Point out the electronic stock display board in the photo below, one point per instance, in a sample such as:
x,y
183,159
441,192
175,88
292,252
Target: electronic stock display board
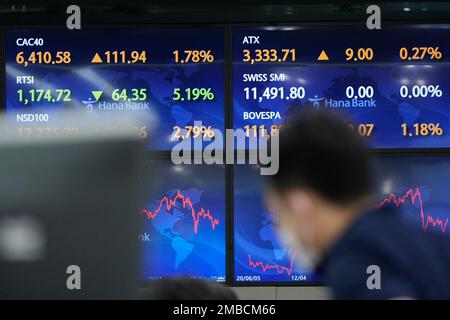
x,y
165,72
391,84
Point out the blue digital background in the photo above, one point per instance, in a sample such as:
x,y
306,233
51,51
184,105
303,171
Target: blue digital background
x,y
255,234
174,248
426,178
160,75
328,80
169,244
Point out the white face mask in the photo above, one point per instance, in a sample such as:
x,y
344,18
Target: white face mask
x,y
307,257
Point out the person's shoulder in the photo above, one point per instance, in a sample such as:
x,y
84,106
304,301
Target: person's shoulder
x,y
380,238
366,247
387,229
367,235
368,241
374,227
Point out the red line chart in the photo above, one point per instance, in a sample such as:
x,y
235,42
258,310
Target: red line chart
x,y
267,267
413,195
170,203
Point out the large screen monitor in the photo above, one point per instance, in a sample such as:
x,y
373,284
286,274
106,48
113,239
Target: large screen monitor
x,y
163,71
390,83
416,185
183,222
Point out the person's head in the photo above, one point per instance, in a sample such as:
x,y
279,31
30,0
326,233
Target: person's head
x,y
185,289
324,181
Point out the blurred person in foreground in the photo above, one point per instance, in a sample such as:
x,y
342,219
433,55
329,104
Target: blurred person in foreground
x,y
323,195
185,289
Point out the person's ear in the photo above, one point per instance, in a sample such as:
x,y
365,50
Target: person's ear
x,y
299,202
